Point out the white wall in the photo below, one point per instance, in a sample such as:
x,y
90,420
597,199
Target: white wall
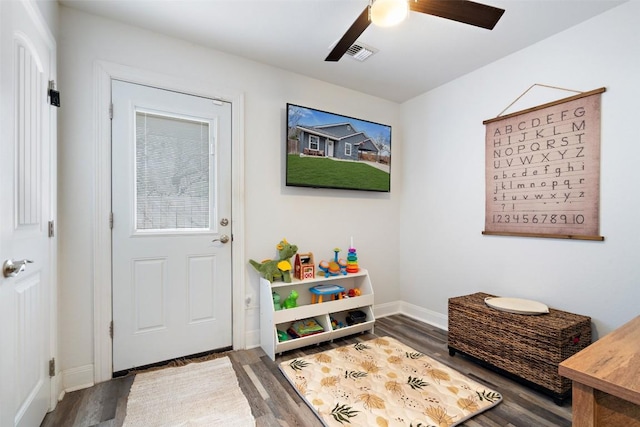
x,y
315,220
49,11
443,253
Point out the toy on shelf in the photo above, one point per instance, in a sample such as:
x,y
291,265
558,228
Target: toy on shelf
x,y
303,266
305,327
276,301
318,291
355,317
282,336
352,259
336,324
291,301
335,267
354,292
277,269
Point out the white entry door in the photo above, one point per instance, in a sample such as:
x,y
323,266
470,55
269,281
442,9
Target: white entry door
x,y
27,182
171,203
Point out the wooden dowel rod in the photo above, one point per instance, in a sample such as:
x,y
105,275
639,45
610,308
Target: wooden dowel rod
x,y
552,236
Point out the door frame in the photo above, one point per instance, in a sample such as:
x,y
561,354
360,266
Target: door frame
x,y
104,73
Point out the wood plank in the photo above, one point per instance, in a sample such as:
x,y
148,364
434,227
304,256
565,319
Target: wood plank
x,y
610,364
584,405
613,411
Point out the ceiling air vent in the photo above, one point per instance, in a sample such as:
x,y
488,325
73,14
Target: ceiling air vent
x,y
360,51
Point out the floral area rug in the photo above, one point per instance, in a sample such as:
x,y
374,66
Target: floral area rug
x,y
383,382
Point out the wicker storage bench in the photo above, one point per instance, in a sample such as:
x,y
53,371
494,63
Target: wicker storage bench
x,y
525,347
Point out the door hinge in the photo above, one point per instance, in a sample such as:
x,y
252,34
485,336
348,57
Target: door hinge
x,y
51,229
54,95
111,329
111,111
111,220
52,367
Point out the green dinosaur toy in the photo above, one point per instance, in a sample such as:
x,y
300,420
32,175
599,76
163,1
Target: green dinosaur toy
x,y
277,269
291,301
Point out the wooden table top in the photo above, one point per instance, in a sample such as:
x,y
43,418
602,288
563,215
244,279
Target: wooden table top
x,y
611,364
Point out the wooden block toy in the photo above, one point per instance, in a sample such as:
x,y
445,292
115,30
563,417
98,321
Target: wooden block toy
x,y
304,267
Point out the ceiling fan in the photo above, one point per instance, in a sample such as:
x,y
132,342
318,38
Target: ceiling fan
x,y
467,12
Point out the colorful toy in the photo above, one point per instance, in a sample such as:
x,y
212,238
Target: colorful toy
x,y
282,336
279,269
291,301
318,291
354,292
335,324
352,260
335,267
276,301
305,327
303,266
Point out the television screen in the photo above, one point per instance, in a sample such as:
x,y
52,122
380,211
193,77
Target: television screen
x,y
328,150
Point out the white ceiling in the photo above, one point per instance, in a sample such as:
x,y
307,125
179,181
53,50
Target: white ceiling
x,y
418,55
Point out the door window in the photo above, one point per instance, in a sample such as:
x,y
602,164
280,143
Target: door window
x,y
173,173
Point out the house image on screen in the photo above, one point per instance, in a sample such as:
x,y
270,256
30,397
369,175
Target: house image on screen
x,y
339,141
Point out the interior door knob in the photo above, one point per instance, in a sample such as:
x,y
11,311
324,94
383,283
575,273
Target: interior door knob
x,y
223,239
12,268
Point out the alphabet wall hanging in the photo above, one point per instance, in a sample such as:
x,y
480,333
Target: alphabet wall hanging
x,y
543,170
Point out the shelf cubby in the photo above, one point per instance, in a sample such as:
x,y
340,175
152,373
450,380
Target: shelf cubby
x,y
272,320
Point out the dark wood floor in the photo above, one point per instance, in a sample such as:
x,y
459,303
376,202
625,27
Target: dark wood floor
x,y
275,403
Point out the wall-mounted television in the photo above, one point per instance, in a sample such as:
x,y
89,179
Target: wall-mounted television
x,y
329,150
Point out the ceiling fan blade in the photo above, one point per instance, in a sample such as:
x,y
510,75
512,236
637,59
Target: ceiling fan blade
x,y
467,12
352,34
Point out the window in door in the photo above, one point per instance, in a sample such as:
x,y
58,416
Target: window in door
x,y
173,173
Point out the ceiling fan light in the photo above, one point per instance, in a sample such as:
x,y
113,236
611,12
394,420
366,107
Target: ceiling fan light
x,y
386,13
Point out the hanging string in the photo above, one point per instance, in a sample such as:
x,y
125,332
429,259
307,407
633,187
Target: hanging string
x,y
531,87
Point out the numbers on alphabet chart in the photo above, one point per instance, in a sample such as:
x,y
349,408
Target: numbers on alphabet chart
x,y
541,218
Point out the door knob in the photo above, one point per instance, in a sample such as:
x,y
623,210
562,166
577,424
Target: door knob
x,y
223,239
12,268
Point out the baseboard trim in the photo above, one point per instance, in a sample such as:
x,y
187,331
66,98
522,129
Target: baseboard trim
x,y
252,339
77,378
387,309
425,315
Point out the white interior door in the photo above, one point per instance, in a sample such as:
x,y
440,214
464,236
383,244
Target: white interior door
x,y
171,203
26,185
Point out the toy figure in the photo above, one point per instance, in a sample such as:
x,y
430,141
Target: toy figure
x,y
279,269
292,300
282,336
276,301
